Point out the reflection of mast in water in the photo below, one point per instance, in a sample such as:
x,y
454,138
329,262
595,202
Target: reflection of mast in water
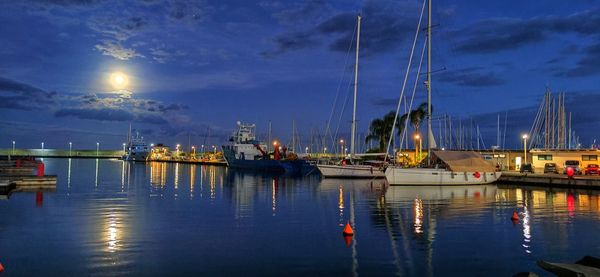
x,y
274,193
202,168
341,206
526,226
354,242
192,180
96,178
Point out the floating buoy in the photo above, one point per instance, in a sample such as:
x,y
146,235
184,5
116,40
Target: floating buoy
x,y
515,216
348,230
570,171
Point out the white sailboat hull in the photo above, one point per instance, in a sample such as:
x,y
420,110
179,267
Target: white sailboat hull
x,y
350,171
432,176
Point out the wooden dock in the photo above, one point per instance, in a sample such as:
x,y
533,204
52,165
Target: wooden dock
x,y
550,180
24,175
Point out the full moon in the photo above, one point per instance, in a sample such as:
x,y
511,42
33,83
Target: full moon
x,y
119,80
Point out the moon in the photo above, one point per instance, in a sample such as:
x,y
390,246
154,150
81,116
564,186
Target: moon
x,y
119,80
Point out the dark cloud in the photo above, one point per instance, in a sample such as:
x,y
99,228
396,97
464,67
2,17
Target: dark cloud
x,y
470,77
21,96
493,35
588,65
291,41
105,114
384,26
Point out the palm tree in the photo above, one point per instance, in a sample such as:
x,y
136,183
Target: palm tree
x,y
380,130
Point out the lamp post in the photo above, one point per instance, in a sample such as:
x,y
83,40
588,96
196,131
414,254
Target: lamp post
x,y
306,150
177,150
124,152
13,152
97,148
42,148
417,147
202,148
342,147
70,148
194,151
324,150
525,147
214,149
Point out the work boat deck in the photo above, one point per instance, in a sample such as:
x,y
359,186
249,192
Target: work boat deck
x,y
454,168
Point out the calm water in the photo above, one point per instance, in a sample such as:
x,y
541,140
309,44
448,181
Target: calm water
x,y
112,218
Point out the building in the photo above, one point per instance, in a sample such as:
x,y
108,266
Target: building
x,y
558,156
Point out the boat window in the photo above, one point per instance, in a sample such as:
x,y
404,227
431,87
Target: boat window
x,y
544,157
589,157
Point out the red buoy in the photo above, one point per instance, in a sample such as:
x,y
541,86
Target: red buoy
x,y
515,216
348,230
570,171
477,174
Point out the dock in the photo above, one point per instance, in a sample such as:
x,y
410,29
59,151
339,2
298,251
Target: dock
x,y
550,180
24,175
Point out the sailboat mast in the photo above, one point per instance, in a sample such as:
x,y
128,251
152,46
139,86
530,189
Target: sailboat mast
x,y
429,83
353,134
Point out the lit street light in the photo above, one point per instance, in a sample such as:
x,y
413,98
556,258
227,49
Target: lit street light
x,y
525,147
214,149
42,149
13,152
306,150
342,146
124,148
70,148
194,151
97,148
417,148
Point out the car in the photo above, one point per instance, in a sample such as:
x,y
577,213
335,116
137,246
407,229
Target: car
x,y
550,168
592,169
574,164
527,168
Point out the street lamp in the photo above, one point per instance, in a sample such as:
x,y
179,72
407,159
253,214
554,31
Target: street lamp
x,y
124,152
342,146
42,149
70,147
13,152
194,151
417,148
525,147
97,148
202,148
177,150
324,150
306,150
214,149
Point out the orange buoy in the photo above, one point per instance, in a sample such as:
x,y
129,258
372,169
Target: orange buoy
x,y
515,216
348,230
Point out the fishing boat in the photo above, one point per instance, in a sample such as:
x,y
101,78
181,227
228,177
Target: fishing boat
x,y
244,151
441,167
136,149
350,168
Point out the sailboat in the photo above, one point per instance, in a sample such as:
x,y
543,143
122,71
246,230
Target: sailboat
x,y
443,167
345,169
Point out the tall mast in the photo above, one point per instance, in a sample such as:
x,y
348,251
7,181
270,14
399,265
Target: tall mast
x,y
352,150
429,82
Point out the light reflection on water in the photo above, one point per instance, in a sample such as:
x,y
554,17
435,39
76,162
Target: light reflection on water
x,y
131,219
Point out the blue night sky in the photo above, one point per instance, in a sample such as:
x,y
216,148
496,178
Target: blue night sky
x,y
195,66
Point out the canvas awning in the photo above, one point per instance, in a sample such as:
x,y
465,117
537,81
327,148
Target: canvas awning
x,y
468,161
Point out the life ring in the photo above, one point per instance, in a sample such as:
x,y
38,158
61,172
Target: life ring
x,y
477,174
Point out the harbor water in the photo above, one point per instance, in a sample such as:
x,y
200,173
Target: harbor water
x,y
109,217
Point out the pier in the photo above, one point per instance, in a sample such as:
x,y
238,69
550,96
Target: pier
x,y
24,175
550,180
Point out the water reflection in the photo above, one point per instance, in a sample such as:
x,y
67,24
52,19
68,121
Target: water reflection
x,y
69,177
418,215
158,174
192,180
96,178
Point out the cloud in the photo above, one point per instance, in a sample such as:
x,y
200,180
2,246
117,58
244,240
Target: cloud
x,y
385,25
471,77
117,51
588,65
118,27
190,12
105,114
17,95
499,34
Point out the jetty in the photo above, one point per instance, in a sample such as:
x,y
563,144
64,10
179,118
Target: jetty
x,y
24,175
550,180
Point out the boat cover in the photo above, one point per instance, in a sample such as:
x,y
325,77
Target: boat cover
x,y
467,161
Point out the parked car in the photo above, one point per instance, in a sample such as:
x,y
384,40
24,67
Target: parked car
x,y
574,164
592,169
527,168
550,168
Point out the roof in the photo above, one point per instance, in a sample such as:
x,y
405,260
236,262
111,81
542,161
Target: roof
x,y
463,160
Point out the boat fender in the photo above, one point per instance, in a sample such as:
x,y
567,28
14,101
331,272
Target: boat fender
x,y
344,162
477,174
